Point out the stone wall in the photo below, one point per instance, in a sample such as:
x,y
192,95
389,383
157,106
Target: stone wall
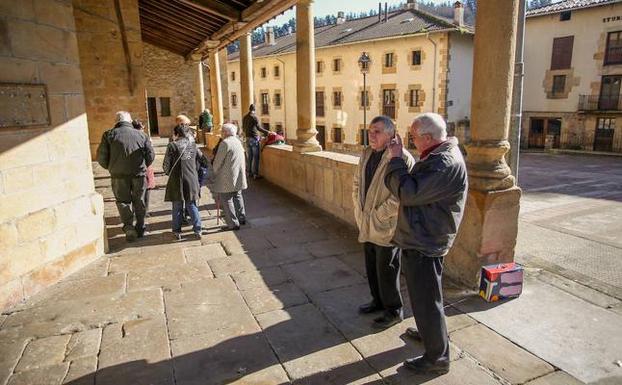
x,y
51,219
112,80
323,178
170,75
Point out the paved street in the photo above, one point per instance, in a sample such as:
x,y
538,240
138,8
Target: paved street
x,y
275,303
570,218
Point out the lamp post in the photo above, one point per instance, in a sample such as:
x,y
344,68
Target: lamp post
x,y
364,62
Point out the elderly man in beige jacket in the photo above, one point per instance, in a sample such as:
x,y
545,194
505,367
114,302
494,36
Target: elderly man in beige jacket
x,y
375,211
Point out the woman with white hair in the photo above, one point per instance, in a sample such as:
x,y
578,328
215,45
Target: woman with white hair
x,y
230,177
180,164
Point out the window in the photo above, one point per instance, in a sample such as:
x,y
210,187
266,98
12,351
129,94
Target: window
x,y
413,98
613,55
336,65
165,106
232,76
364,99
277,71
319,67
263,72
319,103
365,66
264,103
277,99
388,103
562,53
388,59
337,98
606,124
363,137
234,100
416,59
337,135
559,84
565,16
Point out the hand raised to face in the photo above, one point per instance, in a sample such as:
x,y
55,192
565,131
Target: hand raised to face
x,y
396,147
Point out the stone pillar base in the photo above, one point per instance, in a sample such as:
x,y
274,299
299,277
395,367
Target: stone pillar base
x,y
487,234
305,147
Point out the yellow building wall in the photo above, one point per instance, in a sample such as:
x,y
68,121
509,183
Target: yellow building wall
x,y
350,81
589,27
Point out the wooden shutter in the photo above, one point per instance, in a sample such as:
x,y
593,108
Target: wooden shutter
x,y
562,53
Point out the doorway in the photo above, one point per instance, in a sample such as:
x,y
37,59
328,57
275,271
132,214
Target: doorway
x,y
603,137
540,128
321,136
152,111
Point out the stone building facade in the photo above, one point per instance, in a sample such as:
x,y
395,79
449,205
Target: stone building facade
x,y
51,218
409,74
573,76
170,84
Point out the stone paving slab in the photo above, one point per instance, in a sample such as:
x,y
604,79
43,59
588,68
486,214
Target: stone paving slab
x,y
83,344
139,261
463,372
43,352
84,289
333,247
322,274
578,290
210,359
582,339
356,260
305,342
50,375
169,277
500,355
72,316
260,279
82,371
98,268
277,297
204,253
556,378
232,264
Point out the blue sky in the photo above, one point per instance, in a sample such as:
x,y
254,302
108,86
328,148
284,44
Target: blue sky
x,y
331,7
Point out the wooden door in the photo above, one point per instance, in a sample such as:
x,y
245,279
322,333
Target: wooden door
x,y
536,133
321,136
152,112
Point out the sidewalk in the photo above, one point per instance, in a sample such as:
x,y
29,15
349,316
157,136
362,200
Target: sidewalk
x,y
276,303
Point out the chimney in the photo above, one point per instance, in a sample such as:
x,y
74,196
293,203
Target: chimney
x,y
386,12
270,36
341,17
458,14
411,4
379,12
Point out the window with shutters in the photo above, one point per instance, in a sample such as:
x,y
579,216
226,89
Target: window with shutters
x,y
277,71
388,59
565,16
562,53
413,98
336,65
559,84
613,54
319,67
416,58
232,76
263,72
337,99
319,103
264,104
277,99
234,100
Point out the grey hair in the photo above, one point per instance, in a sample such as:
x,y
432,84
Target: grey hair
x,y
230,129
123,116
432,124
389,127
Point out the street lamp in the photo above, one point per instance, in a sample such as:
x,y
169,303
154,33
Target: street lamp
x,y
364,62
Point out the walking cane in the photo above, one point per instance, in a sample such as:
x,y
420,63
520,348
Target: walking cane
x,y
217,212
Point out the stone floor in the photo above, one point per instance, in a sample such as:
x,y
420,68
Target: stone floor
x,y
275,303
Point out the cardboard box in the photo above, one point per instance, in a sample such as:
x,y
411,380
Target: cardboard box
x,y
501,281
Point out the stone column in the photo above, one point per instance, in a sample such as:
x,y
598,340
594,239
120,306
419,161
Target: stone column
x,y
216,90
246,73
305,79
489,228
199,91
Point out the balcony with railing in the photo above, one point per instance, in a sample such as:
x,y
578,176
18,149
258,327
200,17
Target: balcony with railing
x,y
600,103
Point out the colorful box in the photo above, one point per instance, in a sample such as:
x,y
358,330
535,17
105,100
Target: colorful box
x,y
504,280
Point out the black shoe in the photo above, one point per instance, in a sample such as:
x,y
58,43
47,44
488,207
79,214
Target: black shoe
x,y
242,221
413,333
421,365
227,228
388,319
140,232
177,236
198,236
371,307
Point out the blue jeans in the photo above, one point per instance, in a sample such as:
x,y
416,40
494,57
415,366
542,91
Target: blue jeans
x,y
178,212
253,156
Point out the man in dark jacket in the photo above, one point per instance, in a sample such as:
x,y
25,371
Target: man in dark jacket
x,y
126,153
252,128
432,200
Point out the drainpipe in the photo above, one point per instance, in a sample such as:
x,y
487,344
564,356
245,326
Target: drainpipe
x,y
427,35
517,94
283,99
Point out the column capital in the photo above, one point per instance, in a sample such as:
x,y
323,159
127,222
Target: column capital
x,y
305,2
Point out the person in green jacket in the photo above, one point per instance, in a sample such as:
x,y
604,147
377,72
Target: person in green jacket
x,y
206,121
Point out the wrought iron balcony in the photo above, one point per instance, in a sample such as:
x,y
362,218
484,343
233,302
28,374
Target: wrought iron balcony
x,y
600,103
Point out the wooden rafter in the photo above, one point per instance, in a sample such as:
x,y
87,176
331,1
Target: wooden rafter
x,y
215,8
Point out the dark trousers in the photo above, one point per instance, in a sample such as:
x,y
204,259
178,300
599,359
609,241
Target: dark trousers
x,y
129,194
423,278
383,274
232,205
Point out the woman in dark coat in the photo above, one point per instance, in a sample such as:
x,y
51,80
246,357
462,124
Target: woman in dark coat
x,y
180,164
